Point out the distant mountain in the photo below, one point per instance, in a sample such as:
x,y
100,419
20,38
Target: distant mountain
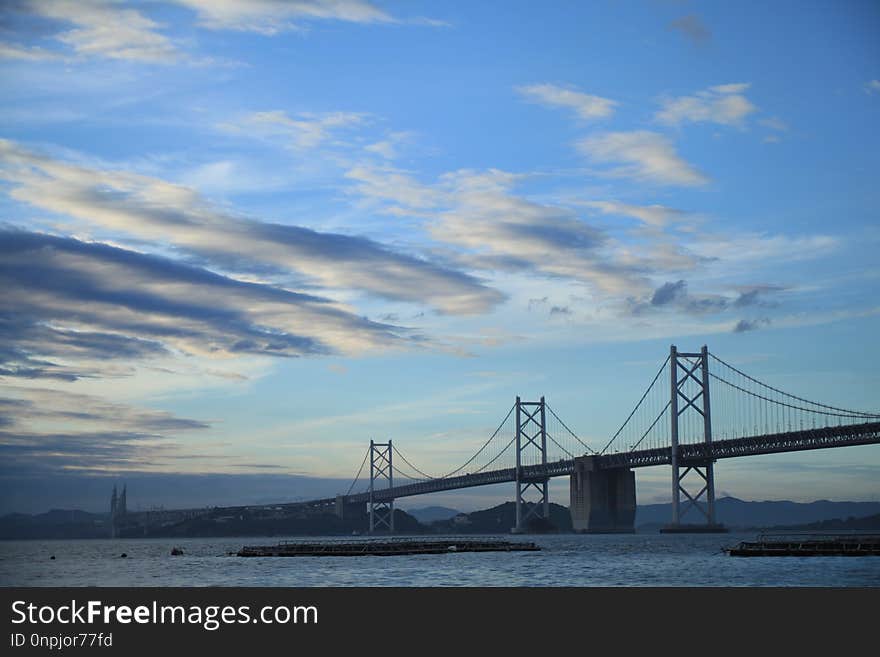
x,y
57,523
868,523
822,515
430,514
246,522
499,520
254,522
739,513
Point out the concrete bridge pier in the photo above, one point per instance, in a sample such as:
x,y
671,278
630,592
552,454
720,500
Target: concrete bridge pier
x,y
349,510
602,501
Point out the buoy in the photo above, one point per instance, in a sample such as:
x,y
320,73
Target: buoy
x,y
52,557
176,552
123,555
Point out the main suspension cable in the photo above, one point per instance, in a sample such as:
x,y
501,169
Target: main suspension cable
x,y
787,394
573,434
629,417
360,469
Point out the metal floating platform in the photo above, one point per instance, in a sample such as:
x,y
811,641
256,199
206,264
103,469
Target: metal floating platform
x,y
809,545
383,548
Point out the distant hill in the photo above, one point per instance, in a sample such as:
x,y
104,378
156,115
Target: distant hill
x,y
80,524
868,523
57,523
267,523
430,514
499,520
734,512
822,515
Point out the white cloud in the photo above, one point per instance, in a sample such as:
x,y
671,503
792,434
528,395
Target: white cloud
x,y
586,106
391,184
384,148
872,87
494,229
147,208
731,88
12,51
644,155
774,123
105,29
273,16
490,228
723,104
304,131
746,247
653,215
128,306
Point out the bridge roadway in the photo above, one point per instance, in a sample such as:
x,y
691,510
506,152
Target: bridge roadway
x,y
697,453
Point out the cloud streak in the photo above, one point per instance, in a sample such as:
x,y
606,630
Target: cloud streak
x,y
302,132
151,209
104,29
80,303
270,17
56,430
641,155
723,105
586,106
655,215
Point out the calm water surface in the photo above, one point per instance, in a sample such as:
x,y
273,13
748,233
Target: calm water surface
x,y
567,560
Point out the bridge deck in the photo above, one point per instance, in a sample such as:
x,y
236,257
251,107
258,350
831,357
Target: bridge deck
x,y
791,441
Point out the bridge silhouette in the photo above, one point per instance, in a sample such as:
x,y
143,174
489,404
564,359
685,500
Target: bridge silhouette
x,y
697,409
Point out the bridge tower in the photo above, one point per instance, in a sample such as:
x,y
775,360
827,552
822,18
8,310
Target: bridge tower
x,y
689,388
381,469
118,510
531,436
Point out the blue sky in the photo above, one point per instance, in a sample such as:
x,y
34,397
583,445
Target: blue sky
x,y
240,239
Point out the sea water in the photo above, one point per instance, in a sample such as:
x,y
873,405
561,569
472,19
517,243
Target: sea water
x,y
565,560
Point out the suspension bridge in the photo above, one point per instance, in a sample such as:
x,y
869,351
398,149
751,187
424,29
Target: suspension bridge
x,y
697,409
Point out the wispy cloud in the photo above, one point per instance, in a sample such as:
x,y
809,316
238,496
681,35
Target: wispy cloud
x,y
21,407
745,325
872,87
388,147
674,295
54,430
33,54
586,106
152,209
303,131
652,215
774,123
106,29
71,304
270,17
643,155
748,247
693,28
491,227
755,295
387,183
724,104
